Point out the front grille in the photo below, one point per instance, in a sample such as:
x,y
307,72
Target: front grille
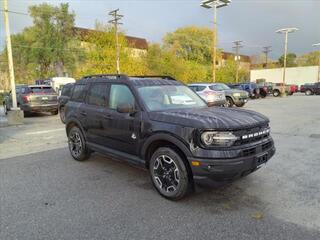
x,y
252,135
248,152
255,150
266,146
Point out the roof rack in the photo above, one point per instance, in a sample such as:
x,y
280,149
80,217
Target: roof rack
x,y
104,75
155,76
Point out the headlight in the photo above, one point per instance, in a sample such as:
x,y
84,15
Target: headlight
x,y
224,139
236,94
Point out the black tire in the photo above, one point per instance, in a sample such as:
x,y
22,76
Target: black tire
x,y
240,104
308,92
169,174
276,93
229,102
263,94
55,112
62,115
77,144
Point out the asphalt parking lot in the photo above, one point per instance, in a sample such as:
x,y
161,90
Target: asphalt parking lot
x,y
44,194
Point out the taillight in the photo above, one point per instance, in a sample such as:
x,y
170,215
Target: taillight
x,y
26,98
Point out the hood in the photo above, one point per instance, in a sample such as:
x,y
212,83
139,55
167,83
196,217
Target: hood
x,y
211,118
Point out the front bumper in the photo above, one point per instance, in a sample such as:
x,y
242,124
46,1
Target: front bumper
x,y
226,169
240,100
40,108
217,103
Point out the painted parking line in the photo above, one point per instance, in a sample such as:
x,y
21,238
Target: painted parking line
x,y
45,131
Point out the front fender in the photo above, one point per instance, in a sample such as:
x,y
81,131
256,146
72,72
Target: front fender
x,y
163,136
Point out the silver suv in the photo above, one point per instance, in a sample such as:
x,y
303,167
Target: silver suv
x,y
211,96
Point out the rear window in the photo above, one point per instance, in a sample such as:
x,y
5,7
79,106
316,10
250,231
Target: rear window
x,y
78,93
41,89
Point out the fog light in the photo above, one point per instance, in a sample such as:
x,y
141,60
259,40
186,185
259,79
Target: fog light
x,y
195,163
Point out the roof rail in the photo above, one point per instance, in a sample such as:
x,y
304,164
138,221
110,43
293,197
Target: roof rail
x,y
104,75
155,76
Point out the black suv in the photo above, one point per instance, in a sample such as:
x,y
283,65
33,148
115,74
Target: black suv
x,y
161,124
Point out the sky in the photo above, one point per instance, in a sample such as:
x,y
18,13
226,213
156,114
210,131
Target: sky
x,y
252,21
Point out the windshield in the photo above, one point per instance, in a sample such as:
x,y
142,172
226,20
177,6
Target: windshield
x,y
219,87
165,97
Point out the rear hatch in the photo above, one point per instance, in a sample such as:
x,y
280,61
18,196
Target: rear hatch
x,y
42,95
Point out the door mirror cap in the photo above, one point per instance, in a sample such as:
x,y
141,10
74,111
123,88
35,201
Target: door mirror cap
x,y
126,108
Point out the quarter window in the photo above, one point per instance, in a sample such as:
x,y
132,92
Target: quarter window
x,y
98,94
119,95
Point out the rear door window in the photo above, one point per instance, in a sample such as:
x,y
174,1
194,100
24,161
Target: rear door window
x,y
78,93
97,95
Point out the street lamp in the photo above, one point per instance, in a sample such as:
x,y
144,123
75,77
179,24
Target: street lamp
x,y
318,45
215,4
285,31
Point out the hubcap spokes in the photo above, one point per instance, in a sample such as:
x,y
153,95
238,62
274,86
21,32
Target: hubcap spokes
x,y
75,144
166,173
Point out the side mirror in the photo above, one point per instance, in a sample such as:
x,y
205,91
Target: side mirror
x,y
126,108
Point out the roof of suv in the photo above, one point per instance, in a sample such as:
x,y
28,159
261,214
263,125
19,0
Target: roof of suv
x,y
134,80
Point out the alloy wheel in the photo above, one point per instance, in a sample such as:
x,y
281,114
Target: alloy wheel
x,y
166,174
75,144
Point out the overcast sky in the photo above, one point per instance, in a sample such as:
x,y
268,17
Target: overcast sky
x,y
253,21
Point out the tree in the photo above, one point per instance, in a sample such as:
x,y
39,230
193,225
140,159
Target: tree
x,y
191,44
291,60
100,51
52,38
309,59
227,73
162,61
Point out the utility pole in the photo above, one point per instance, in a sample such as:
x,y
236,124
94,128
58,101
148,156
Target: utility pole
x,y
115,21
266,51
237,46
286,31
215,4
318,45
10,59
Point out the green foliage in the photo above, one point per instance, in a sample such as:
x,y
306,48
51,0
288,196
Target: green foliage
x,y
291,60
227,73
101,54
309,59
52,33
191,44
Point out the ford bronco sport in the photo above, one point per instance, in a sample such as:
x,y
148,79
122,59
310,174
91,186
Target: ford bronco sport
x,y
162,125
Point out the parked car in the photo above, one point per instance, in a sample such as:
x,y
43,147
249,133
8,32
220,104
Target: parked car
x,y
277,89
251,88
265,88
211,96
137,119
63,99
312,89
303,87
34,98
233,96
294,88
56,83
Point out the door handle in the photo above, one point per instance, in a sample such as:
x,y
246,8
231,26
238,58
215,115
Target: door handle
x,y
83,113
107,116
